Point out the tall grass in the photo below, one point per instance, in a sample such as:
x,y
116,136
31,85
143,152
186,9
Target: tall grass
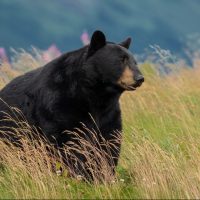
x,y
160,153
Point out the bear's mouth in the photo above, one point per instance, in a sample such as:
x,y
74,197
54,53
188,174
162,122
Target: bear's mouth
x,y
131,87
127,87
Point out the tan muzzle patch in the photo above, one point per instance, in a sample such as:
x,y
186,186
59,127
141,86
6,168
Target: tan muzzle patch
x,y
127,78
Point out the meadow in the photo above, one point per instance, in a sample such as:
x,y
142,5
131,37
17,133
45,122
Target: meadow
x,y
160,153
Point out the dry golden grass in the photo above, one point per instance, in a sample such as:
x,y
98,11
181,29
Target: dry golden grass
x,y
160,151
29,165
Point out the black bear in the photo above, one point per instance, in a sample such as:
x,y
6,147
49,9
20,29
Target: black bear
x,y
79,87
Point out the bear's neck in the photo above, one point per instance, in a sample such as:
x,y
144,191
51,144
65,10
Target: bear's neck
x,y
100,96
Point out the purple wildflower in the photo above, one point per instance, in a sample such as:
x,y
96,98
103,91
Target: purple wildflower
x,y
85,38
3,56
51,53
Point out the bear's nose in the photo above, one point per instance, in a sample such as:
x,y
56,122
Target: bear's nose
x,y
139,79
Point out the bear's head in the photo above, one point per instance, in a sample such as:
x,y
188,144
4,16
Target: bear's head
x,y
111,65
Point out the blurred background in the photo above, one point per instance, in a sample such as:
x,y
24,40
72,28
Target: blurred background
x,y
171,24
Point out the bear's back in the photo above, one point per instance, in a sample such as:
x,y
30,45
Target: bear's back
x,y
15,91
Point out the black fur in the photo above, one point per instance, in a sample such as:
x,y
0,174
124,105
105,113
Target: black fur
x,y
72,88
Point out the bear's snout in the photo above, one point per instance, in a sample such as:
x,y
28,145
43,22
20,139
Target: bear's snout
x,y
139,80
130,80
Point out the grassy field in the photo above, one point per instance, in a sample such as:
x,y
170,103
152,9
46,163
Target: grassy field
x,y
160,152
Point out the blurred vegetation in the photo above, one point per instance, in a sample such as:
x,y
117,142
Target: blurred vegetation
x,y
41,23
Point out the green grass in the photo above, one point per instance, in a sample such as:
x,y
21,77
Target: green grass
x,y
160,151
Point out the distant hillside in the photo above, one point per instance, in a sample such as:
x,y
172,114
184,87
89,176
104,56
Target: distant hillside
x,y
41,23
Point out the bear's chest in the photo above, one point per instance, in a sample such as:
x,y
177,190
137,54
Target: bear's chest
x,y
93,117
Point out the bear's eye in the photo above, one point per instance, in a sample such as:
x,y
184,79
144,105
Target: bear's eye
x,y
124,59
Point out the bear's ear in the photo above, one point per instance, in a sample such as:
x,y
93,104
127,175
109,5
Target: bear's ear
x,y
98,40
126,43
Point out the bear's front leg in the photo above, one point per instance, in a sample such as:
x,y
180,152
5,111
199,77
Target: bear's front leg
x,y
92,149
111,148
80,150
112,134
